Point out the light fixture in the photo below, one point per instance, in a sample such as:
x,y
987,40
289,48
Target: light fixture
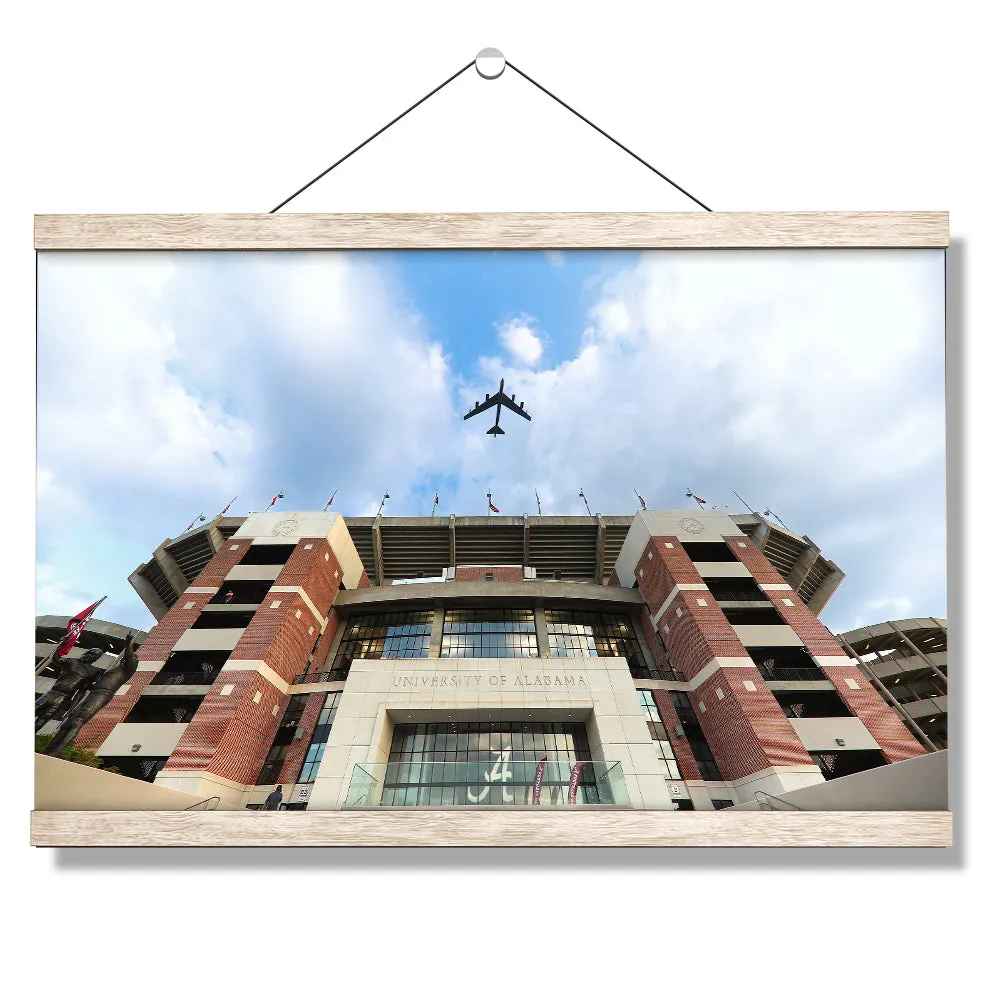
x,y
136,747
840,742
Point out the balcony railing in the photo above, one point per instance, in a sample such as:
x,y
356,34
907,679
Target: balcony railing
x,y
739,595
792,673
340,674
454,784
185,677
654,674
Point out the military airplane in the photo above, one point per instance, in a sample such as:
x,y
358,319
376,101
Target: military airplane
x,y
500,399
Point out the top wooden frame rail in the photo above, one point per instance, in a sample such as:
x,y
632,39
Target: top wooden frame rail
x,y
514,230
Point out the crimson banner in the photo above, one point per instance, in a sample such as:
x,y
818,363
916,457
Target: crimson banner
x,y
536,796
75,628
574,781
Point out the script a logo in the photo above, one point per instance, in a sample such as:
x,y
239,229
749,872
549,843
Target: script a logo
x,y
499,772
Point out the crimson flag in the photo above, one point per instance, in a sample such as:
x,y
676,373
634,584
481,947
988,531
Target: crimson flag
x,y
496,510
330,501
643,502
536,795
574,781
75,628
699,500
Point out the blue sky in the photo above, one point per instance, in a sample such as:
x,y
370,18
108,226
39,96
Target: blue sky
x,y
810,382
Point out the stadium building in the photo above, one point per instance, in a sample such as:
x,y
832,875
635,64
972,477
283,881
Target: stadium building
x,y
907,663
670,659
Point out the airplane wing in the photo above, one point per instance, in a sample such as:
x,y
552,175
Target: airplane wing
x,y
518,408
491,401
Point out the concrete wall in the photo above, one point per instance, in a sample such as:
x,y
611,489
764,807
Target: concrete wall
x,y
601,693
200,639
61,784
918,784
822,734
156,739
767,635
730,569
253,572
685,525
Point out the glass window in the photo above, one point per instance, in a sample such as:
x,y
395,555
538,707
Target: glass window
x,y
584,633
317,744
491,763
402,636
489,633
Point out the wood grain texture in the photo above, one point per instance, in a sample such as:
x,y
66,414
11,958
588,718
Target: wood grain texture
x,y
692,230
507,828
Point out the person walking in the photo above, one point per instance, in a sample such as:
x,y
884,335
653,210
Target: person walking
x,y
273,801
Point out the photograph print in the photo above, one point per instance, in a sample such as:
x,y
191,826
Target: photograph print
x,y
425,530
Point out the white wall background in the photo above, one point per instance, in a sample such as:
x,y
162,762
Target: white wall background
x,y
217,107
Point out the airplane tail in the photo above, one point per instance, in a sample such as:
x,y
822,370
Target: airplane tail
x,y
495,429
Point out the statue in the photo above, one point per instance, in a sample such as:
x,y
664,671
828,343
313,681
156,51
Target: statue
x,y
89,699
72,677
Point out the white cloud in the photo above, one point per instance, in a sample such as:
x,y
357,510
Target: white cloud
x,y
522,342
57,596
171,383
811,382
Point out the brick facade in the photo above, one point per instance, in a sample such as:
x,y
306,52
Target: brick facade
x,y
682,749
222,562
297,749
98,729
755,561
230,735
815,636
508,574
280,636
747,731
164,635
896,741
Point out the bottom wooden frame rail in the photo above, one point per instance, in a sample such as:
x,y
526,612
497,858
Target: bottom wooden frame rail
x,y
501,828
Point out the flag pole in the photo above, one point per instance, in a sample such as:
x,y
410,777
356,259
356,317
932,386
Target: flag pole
x,y
382,504
641,501
330,501
228,505
434,508
489,504
769,512
539,502
742,501
585,504
698,500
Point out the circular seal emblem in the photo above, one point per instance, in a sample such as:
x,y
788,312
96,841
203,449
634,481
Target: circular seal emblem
x,y
692,525
288,527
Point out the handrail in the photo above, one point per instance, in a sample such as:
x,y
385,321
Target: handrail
x,y
214,798
764,807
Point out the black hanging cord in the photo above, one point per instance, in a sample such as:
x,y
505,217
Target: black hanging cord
x,y
375,136
606,136
467,66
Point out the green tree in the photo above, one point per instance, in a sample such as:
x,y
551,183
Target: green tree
x,y
78,756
